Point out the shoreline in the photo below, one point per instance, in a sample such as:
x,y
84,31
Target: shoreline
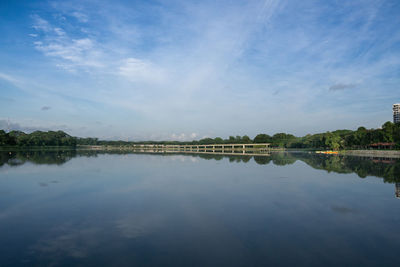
x,y
371,153
359,153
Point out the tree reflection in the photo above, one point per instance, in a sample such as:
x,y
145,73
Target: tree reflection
x,y
386,168
16,158
262,160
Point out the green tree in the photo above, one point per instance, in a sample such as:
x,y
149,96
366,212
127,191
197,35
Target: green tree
x,y
388,129
246,139
218,140
231,139
332,141
262,138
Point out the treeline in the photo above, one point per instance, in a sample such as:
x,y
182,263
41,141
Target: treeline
x,y
37,138
339,139
218,140
362,138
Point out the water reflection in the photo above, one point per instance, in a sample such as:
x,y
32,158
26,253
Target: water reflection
x,y
386,168
16,158
93,208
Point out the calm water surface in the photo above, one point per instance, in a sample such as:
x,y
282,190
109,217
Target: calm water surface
x,y
295,209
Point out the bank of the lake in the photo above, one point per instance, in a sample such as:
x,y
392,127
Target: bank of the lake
x,y
372,153
36,148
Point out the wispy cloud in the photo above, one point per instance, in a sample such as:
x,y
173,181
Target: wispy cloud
x,y
44,108
71,52
80,16
40,24
11,79
137,70
6,124
182,136
208,67
342,86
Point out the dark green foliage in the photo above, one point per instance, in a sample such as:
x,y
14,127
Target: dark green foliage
x,y
6,139
246,140
88,141
218,140
339,139
283,139
262,138
37,138
206,141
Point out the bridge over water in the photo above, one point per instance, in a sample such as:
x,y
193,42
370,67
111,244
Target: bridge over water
x,y
206,147
226,149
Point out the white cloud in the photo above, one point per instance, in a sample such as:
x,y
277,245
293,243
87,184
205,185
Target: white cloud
x,y
72,53
137,70
213,66
8,78
6,124
40,24
81,17
59,31
16,81
180,137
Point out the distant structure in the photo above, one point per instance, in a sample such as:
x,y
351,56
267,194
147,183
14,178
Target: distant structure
x,y
396,113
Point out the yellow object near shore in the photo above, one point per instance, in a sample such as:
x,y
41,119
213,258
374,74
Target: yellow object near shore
x,y
327,152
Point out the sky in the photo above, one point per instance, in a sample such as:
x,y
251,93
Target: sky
x,y
184,70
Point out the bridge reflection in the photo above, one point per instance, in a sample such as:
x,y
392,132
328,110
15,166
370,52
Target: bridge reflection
x,y
259,149
386,168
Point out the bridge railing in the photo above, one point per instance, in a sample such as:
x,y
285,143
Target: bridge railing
x,y
205,146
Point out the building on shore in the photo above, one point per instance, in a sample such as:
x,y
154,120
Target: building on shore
x,y
396,113
382,145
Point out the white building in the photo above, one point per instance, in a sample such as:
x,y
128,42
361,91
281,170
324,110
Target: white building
x,y
396,113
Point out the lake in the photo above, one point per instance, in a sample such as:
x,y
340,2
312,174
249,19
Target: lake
x,y
87,208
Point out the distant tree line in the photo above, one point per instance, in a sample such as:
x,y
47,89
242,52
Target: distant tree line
x,y
346,139
37,138
339,139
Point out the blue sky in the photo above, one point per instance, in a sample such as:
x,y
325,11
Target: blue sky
x,y
184,70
